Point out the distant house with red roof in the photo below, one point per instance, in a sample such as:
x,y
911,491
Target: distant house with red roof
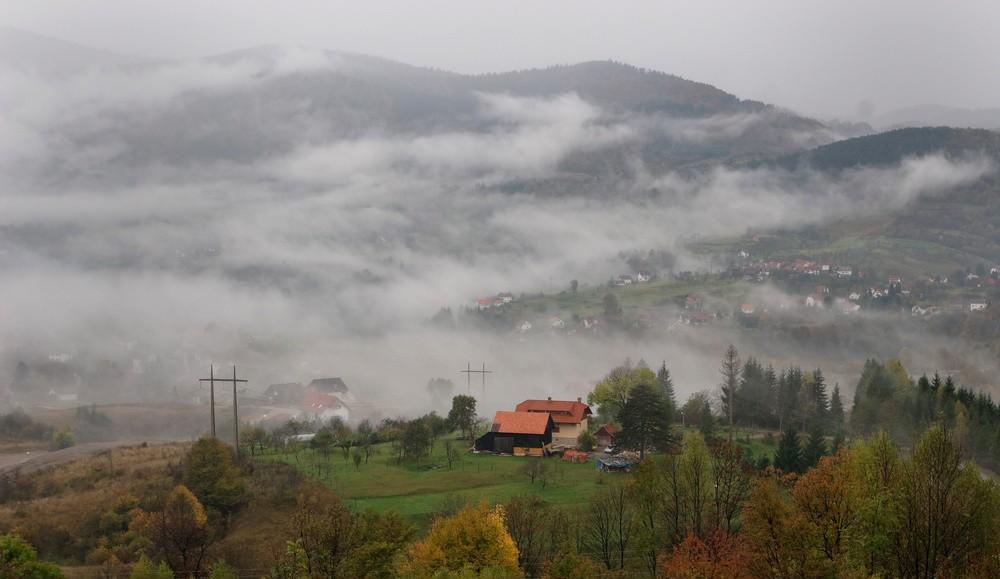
x,y
518,433
605,435
570,417
324,406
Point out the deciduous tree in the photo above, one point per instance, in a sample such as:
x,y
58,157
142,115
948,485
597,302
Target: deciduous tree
x,y
463,416
179,532
475,540
18,560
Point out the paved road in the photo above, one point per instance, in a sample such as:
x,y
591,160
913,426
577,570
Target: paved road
x,y
24,463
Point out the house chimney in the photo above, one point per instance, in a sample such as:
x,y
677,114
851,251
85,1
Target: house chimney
x,y
579,399
550,398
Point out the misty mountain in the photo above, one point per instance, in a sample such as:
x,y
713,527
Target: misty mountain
x,y
892,147
38,54
955,226
930,115
249,105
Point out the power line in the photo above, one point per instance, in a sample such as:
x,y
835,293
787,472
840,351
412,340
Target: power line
x,y
468,376
236,412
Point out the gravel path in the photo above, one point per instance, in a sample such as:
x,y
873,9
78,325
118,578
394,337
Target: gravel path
x,y
25,463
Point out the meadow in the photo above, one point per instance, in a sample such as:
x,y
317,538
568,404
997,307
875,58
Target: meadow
x,y
419,490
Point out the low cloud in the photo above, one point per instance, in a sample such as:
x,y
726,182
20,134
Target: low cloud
x,y
329,257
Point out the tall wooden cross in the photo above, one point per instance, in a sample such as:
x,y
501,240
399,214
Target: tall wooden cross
x,y
468,376
236,413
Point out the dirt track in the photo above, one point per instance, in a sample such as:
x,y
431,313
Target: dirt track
x,y
24,463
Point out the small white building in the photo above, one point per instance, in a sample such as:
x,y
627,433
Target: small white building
x,y
978,306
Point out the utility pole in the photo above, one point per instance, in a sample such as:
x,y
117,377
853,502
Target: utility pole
x,y
468,376
236,415
211,395
236,412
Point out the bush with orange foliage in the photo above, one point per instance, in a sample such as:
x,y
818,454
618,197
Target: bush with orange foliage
x,y
722,556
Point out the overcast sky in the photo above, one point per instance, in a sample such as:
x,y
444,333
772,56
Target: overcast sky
x,y
821,58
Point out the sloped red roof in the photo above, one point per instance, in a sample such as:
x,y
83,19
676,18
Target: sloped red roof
x,y
520,422
562,411
319,401
609,429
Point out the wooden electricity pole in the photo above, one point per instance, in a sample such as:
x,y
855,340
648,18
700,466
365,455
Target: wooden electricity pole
x,y
468,376
211,395
236,412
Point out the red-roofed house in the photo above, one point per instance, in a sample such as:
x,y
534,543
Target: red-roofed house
x,y
605,435
569,417
324,406
518,433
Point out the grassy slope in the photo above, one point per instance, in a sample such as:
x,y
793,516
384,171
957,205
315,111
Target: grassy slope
x,y
638,299
420,491
62,517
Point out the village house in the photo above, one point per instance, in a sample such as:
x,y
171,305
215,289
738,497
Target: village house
x,y
814,300
699,318
484,303
506,297
978,306
286,393
570,418
844,272
693,302
324,406
747,309
329,385
518,433
557,323
605,436
524,327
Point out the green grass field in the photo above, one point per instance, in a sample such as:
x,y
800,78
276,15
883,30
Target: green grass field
x,y
635,300
418,491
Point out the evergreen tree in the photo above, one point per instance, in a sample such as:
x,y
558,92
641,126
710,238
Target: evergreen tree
x,y
730,371
645,421
836,411
820,401
838,442
706,422
923,411
789,455
753,394
771,385
666,384
815,449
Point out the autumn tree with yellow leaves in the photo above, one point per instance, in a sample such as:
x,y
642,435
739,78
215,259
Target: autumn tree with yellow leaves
x,y
179,533
474,542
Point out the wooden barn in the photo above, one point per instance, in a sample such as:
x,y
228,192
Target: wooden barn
x,y
518,433
569,416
